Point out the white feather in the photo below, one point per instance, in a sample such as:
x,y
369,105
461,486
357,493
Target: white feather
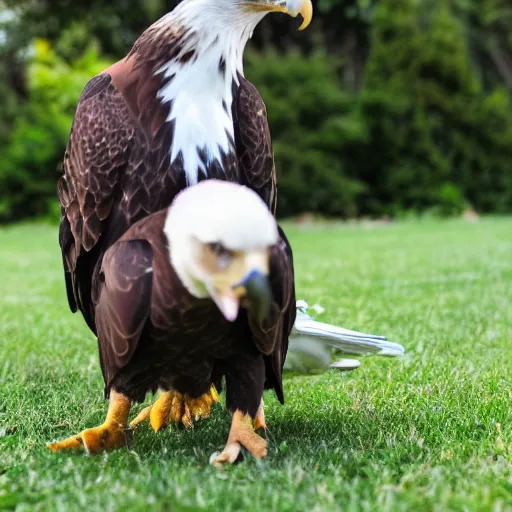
x,y
215,211
224,212
198,90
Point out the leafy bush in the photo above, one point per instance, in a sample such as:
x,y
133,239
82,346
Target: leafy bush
x,y
32,154
433,129
422,134
422,127
312,120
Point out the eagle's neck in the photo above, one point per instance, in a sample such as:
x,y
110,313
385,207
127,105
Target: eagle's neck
x,y
198,80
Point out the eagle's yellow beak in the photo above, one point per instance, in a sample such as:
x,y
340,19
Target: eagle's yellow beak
x,y
302,7
291,7
245,282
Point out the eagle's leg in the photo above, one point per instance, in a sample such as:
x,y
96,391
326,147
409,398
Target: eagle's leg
x,y
259,422
244,392
177,407
106,437
142,416
241,434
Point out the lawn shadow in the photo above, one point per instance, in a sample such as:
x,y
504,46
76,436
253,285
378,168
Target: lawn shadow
x,y
292,436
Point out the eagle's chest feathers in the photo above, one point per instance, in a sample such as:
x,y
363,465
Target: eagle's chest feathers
x,y
200,97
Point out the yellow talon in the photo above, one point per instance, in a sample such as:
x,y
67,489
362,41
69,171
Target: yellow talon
x,y
142,416
106,437
241,434
214,394
259,421
178,408
161,411
186,419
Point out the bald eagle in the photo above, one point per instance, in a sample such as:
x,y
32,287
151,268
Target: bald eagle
x,y
176,111
187,296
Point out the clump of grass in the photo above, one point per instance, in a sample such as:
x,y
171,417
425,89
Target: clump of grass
x,y
429,431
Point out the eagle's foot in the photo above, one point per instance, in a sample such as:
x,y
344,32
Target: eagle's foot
x,y
259,421
141,417
106,437
177,408
109,436
241,434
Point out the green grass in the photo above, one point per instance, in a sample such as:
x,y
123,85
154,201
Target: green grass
x,y
430,431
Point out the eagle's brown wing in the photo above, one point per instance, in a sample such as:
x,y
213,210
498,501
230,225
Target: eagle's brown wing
x,y
97,153
271,338
253,143
124,303
257,171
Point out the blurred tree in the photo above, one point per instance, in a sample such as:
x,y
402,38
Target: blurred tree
x,y
432,125
312,121
489,31
379,107
116,23
33,150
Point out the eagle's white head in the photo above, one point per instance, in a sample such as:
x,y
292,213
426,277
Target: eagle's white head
x,y
220,235
207,42
236,15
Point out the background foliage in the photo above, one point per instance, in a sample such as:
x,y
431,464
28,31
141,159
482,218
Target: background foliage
x,y
377,109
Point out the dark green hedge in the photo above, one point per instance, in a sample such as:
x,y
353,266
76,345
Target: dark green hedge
x,y
422,134
423,129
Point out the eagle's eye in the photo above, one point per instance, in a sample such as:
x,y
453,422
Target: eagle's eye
x,y
224,256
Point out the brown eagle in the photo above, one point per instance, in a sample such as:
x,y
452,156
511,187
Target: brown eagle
x,y
175,111
168,315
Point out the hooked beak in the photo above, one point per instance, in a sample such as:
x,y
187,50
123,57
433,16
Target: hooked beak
x,y
246,284
291,7
258,294
302,7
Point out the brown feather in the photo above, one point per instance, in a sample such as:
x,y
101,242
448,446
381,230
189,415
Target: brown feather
x,y
117,171
152,333
254,144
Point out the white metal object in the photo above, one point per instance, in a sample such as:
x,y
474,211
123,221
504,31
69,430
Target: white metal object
x,y
311,343
346,365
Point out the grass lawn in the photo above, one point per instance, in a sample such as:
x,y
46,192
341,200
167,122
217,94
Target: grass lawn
x,y
430,431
